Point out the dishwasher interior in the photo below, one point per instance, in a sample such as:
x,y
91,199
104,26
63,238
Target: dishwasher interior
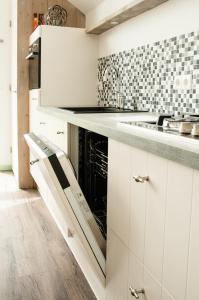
x,y
89,156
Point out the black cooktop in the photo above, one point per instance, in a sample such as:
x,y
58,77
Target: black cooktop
x,y
99,109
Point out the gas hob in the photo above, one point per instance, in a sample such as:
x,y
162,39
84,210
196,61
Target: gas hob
x,y
187,126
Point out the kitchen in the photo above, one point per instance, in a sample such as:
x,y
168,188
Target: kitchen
x,y
111,123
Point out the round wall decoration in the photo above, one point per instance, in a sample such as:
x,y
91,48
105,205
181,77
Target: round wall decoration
x,y
56,16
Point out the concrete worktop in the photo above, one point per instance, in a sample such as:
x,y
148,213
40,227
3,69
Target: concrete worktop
x,y
173,147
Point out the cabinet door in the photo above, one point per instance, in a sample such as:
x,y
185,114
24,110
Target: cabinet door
x,y
141,280
34,114
177,229
138,165
193,264
147,221
118,189
136,276
155,215
166,295
117,268
152,288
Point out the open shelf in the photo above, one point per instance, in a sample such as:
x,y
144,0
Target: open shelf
x,y
125,13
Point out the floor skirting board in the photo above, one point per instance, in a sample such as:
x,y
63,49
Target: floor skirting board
x,y
5,168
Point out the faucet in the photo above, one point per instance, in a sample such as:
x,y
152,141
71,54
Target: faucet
x,y
108,76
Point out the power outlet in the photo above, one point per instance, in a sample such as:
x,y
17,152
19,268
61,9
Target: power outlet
x,y
100,86
183,82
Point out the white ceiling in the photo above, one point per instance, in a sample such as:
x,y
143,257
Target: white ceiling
x,y
85,5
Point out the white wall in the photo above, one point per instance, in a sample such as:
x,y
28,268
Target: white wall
x,y
5,95
169,19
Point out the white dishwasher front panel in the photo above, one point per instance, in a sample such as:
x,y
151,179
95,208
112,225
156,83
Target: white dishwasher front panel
x,y
62,194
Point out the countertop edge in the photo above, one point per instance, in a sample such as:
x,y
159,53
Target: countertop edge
x,y
163,149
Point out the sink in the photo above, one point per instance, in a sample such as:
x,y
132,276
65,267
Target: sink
x,y
99,109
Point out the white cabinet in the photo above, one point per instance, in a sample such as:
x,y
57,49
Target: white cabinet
x,y
119,189
137,203
58,133
193,263
167,296
46,125
68,66
177,229
155,215
135,276
34,114
161,219
117,268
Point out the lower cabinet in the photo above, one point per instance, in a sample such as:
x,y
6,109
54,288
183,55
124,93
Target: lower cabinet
x,y
117,268
155,201
152,220
193,266
46,125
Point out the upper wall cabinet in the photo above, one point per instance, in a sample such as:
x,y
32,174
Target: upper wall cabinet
x,y
122,14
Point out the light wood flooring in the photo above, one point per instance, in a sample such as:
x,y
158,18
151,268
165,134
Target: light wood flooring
x,y
35,261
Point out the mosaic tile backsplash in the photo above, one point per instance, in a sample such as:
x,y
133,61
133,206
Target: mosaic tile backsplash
x,y
148,74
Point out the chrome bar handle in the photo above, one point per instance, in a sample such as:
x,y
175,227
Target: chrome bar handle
x,y
141,179
1,41
60,132
135,293
34,162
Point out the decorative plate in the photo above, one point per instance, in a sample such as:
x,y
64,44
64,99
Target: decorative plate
x,y
56,16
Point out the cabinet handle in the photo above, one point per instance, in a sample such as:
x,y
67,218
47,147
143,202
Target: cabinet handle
x,y
135,293
42,123
141,179
70,234
1,41
60,132
34,162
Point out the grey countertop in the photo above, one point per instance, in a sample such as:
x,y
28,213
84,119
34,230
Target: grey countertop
x,y
173,147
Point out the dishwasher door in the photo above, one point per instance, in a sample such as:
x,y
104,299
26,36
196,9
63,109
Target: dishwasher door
x,y
56,180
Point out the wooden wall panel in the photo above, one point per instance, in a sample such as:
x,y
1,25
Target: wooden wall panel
x,y
53,2
26,8
24,23
39,6
75,16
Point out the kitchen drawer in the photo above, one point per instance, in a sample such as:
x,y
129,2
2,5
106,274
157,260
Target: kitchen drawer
x,y
34,95
33,104
54,130
60,134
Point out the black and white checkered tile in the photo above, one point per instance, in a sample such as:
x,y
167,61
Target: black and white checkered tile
x,y
147,75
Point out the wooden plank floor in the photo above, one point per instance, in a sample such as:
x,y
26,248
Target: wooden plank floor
x,y
35,261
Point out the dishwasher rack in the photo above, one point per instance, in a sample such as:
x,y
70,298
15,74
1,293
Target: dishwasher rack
x,y
93,170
